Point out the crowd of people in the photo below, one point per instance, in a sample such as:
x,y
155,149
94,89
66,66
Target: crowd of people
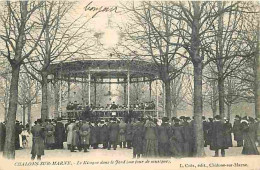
x,y
23,137
147,136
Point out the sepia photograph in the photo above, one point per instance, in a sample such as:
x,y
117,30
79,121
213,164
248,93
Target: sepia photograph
x,y
129,84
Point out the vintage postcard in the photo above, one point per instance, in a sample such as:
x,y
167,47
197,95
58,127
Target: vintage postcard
x,y
121,84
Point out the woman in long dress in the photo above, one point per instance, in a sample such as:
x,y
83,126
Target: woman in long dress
x,y
122,131
138,134
38,140
150,139
248,129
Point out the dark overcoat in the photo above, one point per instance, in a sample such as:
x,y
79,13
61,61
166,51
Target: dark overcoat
x,y
84,134
176,141
187,139
60,133
18,130
38,140
103,135
128,134
218,140
237,130
228,137
164,139
138,137
113,132
122,131
193,137
205,129
93,135
209,133
49,134
249,147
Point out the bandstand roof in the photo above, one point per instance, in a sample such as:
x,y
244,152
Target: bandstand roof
x,y
105,69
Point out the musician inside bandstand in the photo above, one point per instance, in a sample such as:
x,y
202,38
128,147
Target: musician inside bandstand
x,y
138,106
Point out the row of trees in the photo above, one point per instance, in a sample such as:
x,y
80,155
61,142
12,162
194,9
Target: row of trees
x,y
218,39
212,45
33,35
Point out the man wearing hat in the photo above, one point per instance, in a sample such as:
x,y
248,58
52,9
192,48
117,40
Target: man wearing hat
x,y
209,132
128,133
138,137
94,135
237,130
122,130
176,141
218,137
49,137
104,133
84,135
113,134
18,131
187,137
205,129
38,140
59,134
164,137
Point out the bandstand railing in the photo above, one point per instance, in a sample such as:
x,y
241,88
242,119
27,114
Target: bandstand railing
x,y
76,114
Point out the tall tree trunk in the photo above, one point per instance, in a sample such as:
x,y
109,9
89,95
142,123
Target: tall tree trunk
x,y
214,107
6,97
9,148
56,99
214,98
198,109
167,85
197,64
219,55
29,115
221,95
24,114
174,98
174,111
44,106
229,111
257,79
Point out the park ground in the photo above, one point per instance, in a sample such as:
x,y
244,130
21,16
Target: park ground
x,y
122,159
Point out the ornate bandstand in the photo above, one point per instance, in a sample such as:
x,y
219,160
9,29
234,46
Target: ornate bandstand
x,y
101,71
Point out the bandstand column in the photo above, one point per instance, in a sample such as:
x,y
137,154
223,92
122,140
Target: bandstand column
x,y
125,85
128,90
95,92
157,99
69,89
56,97
89,79
83,95
164,99
150,90
60,93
